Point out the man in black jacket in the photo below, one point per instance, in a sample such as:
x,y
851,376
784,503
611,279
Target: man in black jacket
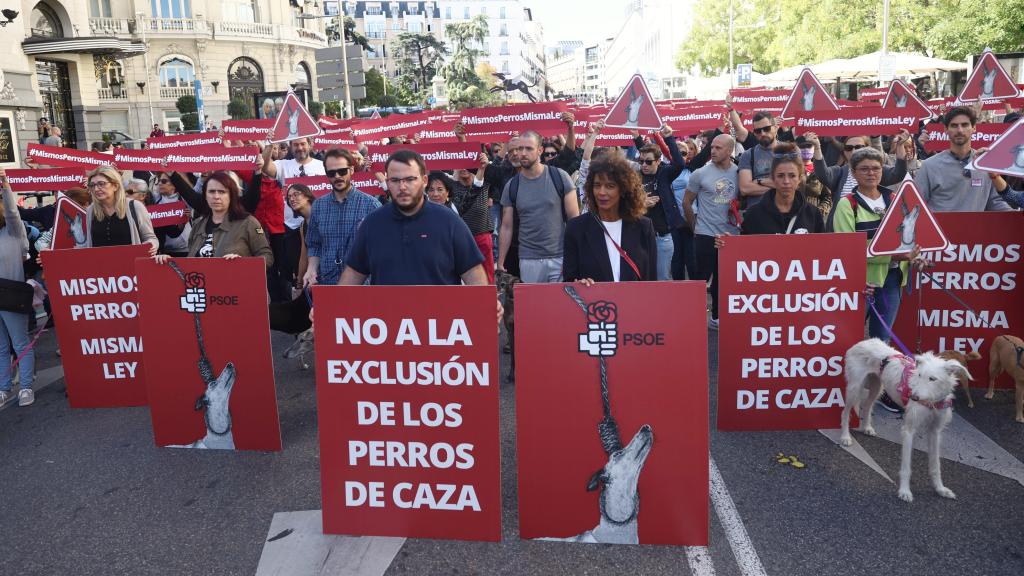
x,y
662,209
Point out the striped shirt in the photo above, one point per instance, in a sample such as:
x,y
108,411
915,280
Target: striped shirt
x,y
471,204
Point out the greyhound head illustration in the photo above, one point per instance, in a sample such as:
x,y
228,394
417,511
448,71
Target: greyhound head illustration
x,y
293,122
901,100
1018,156
620,501
215,401
75,228
808,97
988,82
908,228
633,110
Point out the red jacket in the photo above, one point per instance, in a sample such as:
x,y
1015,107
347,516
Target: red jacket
x,y
270,210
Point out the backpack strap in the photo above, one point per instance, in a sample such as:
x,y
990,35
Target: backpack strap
x,y
135,217
556,179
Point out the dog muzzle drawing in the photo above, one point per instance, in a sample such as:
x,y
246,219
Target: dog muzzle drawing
x,y
76,228
908,228
808,97
633,110
215,400
988,82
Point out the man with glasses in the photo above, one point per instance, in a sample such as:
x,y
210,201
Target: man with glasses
x,y
334,219
661,204
945,181
755,164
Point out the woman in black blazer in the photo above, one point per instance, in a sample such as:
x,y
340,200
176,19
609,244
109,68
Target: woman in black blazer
x,y
613,241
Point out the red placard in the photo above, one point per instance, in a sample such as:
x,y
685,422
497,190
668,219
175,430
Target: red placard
x,y
607,136
988,81
183,140
750,99
318,185
191,326
907,224
394,125
419,459
790,308
983,268
438,132
327,140
294,121
634,108
150,160
872,94
68,225
33,180
94,296
169,214
1006,155
500,122
213,157
368,183
808,96
855,121
984,135
694,120
67,157
903,98
437,156
247,129
567,473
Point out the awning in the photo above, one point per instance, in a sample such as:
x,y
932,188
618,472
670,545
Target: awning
x,y
865,67
82,45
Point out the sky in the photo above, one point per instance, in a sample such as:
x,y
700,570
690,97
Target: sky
x,y
588,21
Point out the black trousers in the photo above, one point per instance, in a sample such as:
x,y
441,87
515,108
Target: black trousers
x,y
287,249
707,267
684,258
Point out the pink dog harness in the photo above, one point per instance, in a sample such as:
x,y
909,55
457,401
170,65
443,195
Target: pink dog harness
x,y
904,386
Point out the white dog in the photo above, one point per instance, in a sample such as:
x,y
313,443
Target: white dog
x,y
924,389
808,97
908,228
304,344
218,417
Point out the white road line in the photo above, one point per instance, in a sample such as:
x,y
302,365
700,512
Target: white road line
x,y
735,531
700,561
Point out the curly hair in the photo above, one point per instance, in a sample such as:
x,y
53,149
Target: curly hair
x,y
631,190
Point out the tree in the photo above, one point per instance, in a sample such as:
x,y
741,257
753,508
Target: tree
x,y
351,34
316,109
418,57
465,87
186,106
374,88
239,109
332,108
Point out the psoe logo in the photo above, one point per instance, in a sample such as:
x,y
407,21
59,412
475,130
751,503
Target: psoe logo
x,y
602,335
194,300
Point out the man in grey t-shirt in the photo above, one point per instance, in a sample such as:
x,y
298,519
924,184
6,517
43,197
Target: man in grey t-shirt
x,y
716,186
55,137
542,213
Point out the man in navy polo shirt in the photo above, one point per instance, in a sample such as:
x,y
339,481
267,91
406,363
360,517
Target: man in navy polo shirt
x,y
410,241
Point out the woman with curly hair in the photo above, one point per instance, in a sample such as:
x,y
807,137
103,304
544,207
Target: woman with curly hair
x,y
613,241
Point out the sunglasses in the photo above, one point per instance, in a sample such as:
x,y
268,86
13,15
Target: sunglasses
x,y
647,162
787,156
336,172
852,147
550,154
763,130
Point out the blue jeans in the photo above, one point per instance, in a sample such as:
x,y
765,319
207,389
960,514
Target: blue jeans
x,y
665,249
14,328
887,302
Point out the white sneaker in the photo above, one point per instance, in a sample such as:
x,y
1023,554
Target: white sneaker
x,y
26,397
4,397
713,324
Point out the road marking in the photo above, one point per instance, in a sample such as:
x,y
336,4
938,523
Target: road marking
x,y
735,531
857,450
700,561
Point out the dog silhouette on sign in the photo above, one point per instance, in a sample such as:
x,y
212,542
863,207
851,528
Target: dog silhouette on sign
x,y
901,100
908,228
988,82
808,97
76,230
633,110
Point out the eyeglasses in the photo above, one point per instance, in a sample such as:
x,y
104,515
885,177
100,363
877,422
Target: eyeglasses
x,y
165,180
550,154
869,169
409,181
763,129
99,184
852,147
337,172
647,162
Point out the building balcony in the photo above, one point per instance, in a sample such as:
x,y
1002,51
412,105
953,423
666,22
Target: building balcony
x,y
196,28
255,30
177,26
175,92
109,26
106,94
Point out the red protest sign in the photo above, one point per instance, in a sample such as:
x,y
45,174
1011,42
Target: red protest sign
x,y
195,308
247,129
146,159
438,132
496,123
375,115
331,122
452,156
67,157
1006,155
693,120
807,96
985,134
982,268
420,459
293,121
68,224
855,121
213,157
45,179
904,99
655,441
750,99
394,125
94,296
318,185
872,94
183,140
169,214
336,140
907,223
634,108
988,81
368,183
791,307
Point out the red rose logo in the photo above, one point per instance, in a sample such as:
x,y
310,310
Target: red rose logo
x,y
195,280
601,311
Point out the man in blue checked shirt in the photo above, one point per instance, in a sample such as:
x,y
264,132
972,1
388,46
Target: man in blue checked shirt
x,y
333,220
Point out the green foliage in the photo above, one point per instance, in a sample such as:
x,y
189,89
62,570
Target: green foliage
x,y
332,108
239,109
418,57
315,108
466,88
782,33
190,121
351,35
186,104
374,88
388,101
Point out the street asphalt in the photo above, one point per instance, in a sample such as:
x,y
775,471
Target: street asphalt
x,y
88,493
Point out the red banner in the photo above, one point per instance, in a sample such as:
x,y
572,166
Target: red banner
x,y
438,133
984,135
34,180
855,121
94,296
318,185
67,157
790,308
145,159
335,140
368,183
181,140
420,459
751,99
394,125
580,472
983,267
247,129
191,326
693,120
500,122
608,136
872,94
437,156
170,214
213,157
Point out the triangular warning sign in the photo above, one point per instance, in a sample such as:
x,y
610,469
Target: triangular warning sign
x,y
904,98
375,115
808,95
293,121
988,81
634,108
1006,154
907,222
68,224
